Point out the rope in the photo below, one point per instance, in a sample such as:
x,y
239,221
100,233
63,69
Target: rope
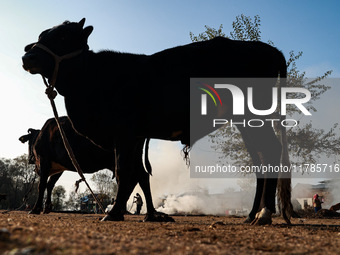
x,y
51,94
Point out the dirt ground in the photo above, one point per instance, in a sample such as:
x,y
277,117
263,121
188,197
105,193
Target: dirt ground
x,y
66,233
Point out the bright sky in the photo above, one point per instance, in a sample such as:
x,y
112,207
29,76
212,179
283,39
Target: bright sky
x,y
147,27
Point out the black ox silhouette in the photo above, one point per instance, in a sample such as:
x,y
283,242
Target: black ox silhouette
x,y
117,98
48,154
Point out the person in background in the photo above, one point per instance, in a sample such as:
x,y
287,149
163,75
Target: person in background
x,y
139,203
316,203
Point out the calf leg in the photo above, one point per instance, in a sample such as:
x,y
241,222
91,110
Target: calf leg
x,y
44,170
50,185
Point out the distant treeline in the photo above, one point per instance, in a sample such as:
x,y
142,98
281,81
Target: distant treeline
x,y
19,187
18,182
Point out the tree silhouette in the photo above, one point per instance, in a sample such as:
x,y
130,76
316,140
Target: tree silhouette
x,y
305,144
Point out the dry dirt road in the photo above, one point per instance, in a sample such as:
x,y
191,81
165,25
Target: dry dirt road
x,y
60,233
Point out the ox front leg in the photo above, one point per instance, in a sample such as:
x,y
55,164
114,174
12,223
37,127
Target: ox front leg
x,y
126,179
44,172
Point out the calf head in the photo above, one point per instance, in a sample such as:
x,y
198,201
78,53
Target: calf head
x,y
31,137
60,40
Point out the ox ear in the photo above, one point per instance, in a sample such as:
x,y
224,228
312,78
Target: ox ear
x,y
82,22
87,31
28,47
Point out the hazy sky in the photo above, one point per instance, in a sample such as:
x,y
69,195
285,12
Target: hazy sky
x,y
147,27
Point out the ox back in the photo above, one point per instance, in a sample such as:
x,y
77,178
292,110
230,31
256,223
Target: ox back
x,y
148,96
110,94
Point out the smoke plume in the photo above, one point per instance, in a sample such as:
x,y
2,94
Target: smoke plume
x,y
174,191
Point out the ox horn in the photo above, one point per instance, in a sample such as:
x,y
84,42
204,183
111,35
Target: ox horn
x,y
30,130
82,22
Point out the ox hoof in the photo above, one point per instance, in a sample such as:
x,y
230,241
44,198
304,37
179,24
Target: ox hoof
x,y
47,209
264,217
116,217
34,211
158,217
262,221
248,220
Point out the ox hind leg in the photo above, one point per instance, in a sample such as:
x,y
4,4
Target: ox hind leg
x,y
152,214
144,183
142,176
125,152
264,141
43,170
50,185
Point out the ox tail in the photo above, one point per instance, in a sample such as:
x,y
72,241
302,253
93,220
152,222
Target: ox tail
x,y
146,157
284,182
186,149
77,184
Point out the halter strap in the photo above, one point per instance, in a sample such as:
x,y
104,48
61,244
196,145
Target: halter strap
x,y
57,60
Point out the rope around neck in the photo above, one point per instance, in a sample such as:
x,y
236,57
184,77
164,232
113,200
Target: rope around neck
x,y
51,94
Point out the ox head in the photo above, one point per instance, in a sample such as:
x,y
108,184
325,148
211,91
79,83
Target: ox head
x,y
59,40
